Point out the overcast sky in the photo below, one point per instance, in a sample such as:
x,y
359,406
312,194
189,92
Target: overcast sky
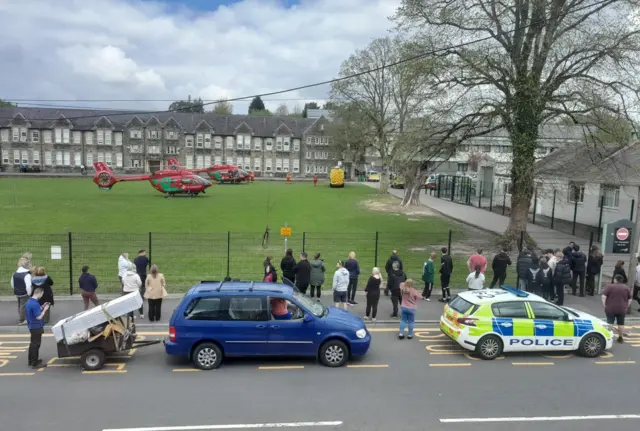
x,y
167,49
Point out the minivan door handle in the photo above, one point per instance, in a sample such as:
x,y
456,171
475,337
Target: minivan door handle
x,y
274,327
261,326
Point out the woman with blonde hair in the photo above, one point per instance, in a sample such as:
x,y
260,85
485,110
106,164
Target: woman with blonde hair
x,y
373,294
155,290
410,297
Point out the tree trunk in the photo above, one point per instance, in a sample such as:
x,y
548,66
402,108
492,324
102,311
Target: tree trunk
x,y
414,183
384,178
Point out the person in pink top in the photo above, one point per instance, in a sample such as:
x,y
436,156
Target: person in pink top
x,y
477,260
409,305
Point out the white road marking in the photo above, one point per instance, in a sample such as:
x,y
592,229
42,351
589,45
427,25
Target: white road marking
x,y
540,419
233,426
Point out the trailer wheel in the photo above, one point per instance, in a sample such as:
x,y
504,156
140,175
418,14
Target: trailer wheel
x,y
93,360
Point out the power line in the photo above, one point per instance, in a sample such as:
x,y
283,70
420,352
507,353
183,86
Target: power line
x,y
28,101
343,78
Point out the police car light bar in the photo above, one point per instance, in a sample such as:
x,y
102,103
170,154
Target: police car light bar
x,y
515,291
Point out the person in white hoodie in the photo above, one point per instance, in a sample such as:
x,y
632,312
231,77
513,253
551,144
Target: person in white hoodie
x,y
22,288
123,266
340,285
131,282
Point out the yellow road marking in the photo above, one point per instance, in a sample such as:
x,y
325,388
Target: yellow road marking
x,y
368,366
606,355
532,363
62,365
614,362
185,370
284,367
3,356
471,357
449,365
14,342
443,348
461,352
16,374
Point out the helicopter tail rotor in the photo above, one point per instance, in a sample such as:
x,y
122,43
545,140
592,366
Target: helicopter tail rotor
x,y
104,178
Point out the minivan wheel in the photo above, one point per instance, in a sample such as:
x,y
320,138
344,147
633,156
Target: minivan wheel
x,y
334,353
489,347
207,356
591,346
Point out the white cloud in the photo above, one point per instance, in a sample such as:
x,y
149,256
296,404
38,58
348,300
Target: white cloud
x,y
120,49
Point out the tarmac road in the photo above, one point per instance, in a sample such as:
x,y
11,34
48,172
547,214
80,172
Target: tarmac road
x,y
398,385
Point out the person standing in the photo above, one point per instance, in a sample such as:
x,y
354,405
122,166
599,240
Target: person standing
x,y
315,180
270,272
594,264
353,267
373,294
286,265
123,266
475,280
410,298
340,285
302,271
397,278
562,275
476,260
578,268
131,283
155,290
88,286
446,269
142,263
523,265
545,280
34,313
428,275
22,288
636,284
388,268
317,275
499,265
42,280
616,299
619,270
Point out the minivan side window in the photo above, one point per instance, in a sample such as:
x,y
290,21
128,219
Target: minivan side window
x,y
248,308
205,308
514,310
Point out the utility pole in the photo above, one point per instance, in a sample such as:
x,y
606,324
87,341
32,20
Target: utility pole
x,y
635,244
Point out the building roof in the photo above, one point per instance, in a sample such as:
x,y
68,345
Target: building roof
x,y
86,119
545,132
317,113
606,163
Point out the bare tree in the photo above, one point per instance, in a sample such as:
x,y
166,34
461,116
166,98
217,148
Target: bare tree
x,y
223,108
282,110
350,131
518,64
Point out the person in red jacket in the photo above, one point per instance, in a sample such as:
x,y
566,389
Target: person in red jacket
x,y
315,180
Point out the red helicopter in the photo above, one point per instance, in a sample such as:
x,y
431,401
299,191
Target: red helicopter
x,y
171,182
224,174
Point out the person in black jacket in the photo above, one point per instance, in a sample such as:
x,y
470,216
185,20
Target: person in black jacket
x,y
44,281
593,269
373,294
545,279
619,270
397,277
446,269
388,268
578,267
499,265
302,271
524,264
286,265
562,275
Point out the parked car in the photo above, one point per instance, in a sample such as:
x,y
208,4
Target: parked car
x,y
373,176
216,320
27,168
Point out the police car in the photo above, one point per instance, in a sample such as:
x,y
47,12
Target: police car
x,y
492,321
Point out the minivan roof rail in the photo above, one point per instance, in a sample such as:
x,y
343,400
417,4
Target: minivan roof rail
x,y
220,286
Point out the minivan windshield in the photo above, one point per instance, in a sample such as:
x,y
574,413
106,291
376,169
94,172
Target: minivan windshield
x,y
316,308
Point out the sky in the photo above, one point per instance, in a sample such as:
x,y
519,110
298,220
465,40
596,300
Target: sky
x,y
169,49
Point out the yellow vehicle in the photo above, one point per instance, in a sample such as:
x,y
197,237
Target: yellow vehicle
x,y
373,176
336,177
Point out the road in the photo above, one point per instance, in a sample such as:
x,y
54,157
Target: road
x,y
406,385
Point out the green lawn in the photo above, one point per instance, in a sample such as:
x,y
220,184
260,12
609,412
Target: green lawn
x,y
197,239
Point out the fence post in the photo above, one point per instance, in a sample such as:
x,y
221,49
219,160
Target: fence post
x,y
228,253
633,205
535,205
504,201
575,215
491,199
150,249
304,240
600,218
553,208
479,195
70,265
453,189
449,242
439,183
375,257
588,259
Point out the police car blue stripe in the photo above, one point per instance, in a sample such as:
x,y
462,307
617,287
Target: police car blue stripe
x,y
543,328
503,326
581,327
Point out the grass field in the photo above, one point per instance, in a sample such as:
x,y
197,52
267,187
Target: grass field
x,y
200,238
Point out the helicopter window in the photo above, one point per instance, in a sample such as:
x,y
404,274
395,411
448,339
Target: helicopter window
x,y
186,181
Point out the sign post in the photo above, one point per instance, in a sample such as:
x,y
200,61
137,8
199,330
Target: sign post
x,y
286,233
616,240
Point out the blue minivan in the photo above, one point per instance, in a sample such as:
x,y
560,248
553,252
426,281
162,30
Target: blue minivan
x,y
232,318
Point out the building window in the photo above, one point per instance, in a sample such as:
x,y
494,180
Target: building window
x,y
88,138
77,158
609,196
134,163
486,148
296,165
107,137
463,167
88,157
5,157
35,136
189,161
217,142
58,136
188,141
576,192
267,165
199,162
118,160
135,134
309,140
296,145
278,165
229,143
100,137
256,163
23,134
67,158
46,136
285,165
268,144
217,160
307,169
66,136
199,140
100,156
286,146
77,138
257,144
58,158
15,134
207,140
171,134
308,155
118,136
507,188
25,157
4,135
278,144
240,142
47,158
153,134
207,161
171,150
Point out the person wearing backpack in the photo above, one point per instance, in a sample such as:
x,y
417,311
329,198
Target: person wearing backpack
x,y
562,275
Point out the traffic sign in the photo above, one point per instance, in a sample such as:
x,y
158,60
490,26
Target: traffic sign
x,y
285,231
622,234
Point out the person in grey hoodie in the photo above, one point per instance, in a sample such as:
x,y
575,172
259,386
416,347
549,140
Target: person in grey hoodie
x,y
340,285
317,275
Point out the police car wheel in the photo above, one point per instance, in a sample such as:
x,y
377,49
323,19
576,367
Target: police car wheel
x,y
489,347
591,346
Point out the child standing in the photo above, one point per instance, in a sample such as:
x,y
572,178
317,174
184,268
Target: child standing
x,y
410,297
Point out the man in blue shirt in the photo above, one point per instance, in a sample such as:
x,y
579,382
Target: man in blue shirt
x,y
35,321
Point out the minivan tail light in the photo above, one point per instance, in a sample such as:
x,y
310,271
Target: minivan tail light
x,y
172,333
469,321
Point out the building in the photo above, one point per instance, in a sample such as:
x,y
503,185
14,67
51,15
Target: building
x,y
61,140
